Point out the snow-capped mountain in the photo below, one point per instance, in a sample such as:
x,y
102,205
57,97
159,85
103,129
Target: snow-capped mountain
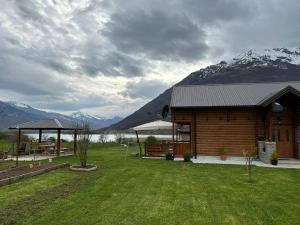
x,y
97,122
12,113
268,65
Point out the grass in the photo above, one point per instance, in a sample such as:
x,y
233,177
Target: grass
x,y
129,190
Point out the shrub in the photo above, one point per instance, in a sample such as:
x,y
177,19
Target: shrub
x,y
222,150
169,156
249,157
187,157
51,139
151,140
275,155
84,137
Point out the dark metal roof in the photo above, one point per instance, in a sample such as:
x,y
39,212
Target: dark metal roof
x,y
46,124
258,94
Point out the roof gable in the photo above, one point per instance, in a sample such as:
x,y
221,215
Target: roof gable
x,y
288,89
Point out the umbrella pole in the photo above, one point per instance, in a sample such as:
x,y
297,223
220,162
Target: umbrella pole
x,y
138,140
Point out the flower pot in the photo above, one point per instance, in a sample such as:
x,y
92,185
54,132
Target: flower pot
x,y
274,162
223,157
187,158
169,156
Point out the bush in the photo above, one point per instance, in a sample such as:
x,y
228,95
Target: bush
x,y
187,157
51,139
169,156
275,155
151,140
222,150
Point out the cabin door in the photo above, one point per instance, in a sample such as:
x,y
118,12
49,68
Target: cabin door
x,y
281,131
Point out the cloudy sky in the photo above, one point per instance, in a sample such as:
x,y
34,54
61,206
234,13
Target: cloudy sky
x,y
109,57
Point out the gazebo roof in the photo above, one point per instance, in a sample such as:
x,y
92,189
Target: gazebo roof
x,y
46,124
155,125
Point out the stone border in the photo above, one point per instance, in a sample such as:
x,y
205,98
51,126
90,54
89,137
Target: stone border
x,y
73,168
11,180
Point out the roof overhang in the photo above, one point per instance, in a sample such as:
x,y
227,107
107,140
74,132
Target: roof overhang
x,y
289,89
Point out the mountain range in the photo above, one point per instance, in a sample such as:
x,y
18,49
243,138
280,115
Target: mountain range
x,y
12,113
269,65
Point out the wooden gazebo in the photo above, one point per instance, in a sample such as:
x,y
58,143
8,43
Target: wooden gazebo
x,y
46,124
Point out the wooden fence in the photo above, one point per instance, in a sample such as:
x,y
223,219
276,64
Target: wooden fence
x,y
160,149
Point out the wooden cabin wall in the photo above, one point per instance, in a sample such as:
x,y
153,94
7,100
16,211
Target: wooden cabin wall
x,y
235,129
297,122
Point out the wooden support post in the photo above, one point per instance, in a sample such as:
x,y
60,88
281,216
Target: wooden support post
x,y
18,146
75,142
40,135
173,139
138,140
58,143
173,130
195,133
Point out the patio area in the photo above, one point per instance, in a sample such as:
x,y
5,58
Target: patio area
x,y
42,149
282,163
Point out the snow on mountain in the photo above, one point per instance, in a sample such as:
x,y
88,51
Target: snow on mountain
x,y
96,121
18,104
276,58
12,113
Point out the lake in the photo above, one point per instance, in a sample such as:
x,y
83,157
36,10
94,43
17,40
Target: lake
x,y
107,137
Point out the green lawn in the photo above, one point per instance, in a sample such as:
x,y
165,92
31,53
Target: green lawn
x,y
135,191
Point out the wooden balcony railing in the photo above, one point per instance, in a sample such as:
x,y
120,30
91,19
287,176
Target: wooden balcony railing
x,y
160,149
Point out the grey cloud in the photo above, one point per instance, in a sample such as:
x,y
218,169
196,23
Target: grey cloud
x,y
212,11
75,104
157,35
111,64
27,78
146,89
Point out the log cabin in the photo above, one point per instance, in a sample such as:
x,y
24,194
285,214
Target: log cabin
x,y
236,116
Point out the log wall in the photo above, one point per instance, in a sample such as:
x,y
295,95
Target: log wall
x,y
235,129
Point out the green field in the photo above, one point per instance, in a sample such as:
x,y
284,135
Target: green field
x,y
129,190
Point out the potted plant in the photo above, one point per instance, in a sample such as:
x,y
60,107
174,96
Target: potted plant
x,y
223,153
187,157
169,156
274,158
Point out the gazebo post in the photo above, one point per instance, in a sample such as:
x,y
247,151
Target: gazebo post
x,y
75,142
58,142
138,140
18,146
40,135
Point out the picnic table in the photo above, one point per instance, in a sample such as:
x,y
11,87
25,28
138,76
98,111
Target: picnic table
x,y
48,149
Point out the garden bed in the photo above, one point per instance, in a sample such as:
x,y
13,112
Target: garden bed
x,y
12,175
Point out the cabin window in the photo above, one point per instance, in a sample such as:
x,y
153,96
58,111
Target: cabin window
x,y
273,135
287,133
277,107
278,135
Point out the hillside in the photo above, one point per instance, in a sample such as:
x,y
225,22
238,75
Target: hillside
x,y
276,65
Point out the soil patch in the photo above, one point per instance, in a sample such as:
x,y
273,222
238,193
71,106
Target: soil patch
x,y
12,175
